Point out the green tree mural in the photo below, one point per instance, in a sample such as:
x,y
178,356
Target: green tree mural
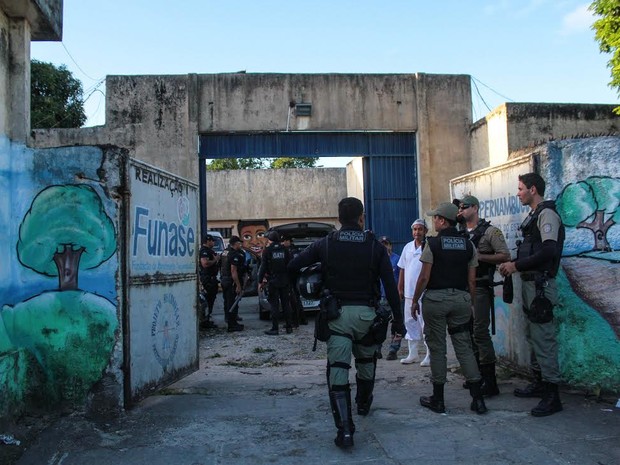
x,y
65,230
591,204
68,333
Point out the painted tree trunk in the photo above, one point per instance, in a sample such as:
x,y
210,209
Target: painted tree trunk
x,y
68,263
599,228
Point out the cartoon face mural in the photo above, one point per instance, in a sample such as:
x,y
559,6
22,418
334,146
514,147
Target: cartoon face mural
x,y
252,234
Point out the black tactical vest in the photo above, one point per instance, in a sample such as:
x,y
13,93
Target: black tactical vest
x,y
532,240
351,272
225,263
451,255
277,259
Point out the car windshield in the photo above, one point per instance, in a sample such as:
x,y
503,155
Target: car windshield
x,y
218,245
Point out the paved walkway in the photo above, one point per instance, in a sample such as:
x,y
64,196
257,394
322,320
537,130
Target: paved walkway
x,y
278,413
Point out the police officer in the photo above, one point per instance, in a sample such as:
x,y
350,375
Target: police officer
x,y
232,274
297,308
353,263
491,250
273,271
538,261
449,278
209,267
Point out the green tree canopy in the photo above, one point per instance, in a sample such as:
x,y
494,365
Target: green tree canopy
x,y
66,229
591,204
607,33
257,163
289,162
236,164
56,97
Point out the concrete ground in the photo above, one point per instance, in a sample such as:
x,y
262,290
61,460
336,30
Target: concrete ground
x,y
262,400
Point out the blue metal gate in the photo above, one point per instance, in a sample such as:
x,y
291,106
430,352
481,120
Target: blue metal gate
x,y
390,175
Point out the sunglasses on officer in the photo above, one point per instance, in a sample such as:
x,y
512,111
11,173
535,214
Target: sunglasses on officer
x,y
464,206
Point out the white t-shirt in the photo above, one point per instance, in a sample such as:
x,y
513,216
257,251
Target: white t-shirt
x,y
410,262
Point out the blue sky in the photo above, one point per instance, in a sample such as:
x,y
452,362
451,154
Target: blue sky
x,y
516,50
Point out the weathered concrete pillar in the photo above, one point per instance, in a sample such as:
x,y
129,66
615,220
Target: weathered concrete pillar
x,y
18,89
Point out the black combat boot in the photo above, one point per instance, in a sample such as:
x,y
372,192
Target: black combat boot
x,y
363,396
534,389
550,402
434,402
340,401
232,323
477,404
489,380
273,331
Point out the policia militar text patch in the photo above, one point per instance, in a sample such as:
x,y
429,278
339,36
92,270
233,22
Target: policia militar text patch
x,y
453,243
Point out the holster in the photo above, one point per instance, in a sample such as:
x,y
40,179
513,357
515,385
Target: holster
x,y
377,333
329,309
541,308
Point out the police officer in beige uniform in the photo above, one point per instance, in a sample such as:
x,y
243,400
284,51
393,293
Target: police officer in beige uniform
x,y
538,261
448,281
492,250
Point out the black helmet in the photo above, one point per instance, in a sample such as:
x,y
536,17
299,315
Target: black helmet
x,y
310,282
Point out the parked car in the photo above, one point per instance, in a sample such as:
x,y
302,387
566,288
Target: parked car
x,y
218,246
303,234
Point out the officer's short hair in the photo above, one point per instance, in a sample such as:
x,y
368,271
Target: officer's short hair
x,y
533,179
350,209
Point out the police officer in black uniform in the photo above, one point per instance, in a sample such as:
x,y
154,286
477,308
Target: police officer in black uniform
x,y
538,261
273,271
297,308
208,269
448,281
232,274
353,263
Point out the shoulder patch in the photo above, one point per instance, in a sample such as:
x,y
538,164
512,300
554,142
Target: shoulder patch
x,y
547,228
453,243
351,236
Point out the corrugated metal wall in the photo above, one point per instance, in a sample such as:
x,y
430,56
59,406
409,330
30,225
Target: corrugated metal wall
x,y
391,203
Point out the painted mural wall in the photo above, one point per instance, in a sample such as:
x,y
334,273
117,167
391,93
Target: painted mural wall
x,y
58,262
583,176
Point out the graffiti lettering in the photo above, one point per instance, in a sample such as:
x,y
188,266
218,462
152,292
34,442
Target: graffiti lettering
x,y
161,238
157,179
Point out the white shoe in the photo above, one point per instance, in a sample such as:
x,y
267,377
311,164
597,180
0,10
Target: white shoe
x,y
413,353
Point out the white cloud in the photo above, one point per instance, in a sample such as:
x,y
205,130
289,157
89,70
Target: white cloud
x,y
577,21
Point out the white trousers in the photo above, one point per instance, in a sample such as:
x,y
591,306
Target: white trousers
x,y
414,328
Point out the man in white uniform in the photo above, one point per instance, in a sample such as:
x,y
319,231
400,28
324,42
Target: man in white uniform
x,y
410,267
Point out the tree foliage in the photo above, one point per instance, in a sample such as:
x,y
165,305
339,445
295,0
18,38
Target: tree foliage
x,y
607,33
56,99
257,163
289,162
66,229
236,164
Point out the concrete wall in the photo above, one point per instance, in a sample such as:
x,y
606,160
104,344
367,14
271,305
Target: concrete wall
x,y
162,115
512,127
275,193
272,197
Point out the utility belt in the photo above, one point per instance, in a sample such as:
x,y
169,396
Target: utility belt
x,y
531,275
445,289
330,308
364,302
